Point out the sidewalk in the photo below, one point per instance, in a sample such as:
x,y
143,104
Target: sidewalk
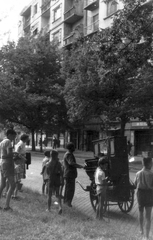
x,y
82,155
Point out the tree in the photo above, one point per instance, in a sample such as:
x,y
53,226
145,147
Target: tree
x,y
31,86
101,70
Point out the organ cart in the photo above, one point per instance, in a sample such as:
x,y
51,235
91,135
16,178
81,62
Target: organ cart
x,y
120,189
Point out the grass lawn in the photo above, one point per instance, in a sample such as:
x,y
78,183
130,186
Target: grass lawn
x,y
30,221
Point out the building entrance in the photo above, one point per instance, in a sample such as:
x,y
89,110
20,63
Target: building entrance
x,y
143,141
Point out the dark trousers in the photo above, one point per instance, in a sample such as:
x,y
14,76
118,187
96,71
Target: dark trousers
x,y
69,190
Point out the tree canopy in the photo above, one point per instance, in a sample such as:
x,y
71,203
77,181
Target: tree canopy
x,y
31,86
103,71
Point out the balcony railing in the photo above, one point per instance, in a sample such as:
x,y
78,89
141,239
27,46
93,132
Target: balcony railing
x,y
46,29
92,27
69,39
26,23
72,15
91,5
45,6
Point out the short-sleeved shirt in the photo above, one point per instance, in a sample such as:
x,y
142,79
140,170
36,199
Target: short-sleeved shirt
x,y
5,145
20,147
7,163
99,178
69,162
144,179
54,169
44,162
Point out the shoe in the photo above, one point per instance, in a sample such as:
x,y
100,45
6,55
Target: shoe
x,y
47,210
60,211
4,195
69,204
7,209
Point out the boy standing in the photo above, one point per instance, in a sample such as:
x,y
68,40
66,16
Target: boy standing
x,y
101,186
44,172
54,169
144,183
7,166
70,173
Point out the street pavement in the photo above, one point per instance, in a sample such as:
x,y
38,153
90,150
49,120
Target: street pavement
x,y
127,223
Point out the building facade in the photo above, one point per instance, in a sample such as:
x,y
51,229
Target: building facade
x,y
65,21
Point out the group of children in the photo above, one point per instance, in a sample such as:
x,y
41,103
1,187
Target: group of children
x,y
53,182
52,172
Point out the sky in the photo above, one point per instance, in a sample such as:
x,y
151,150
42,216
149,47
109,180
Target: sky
x,y
9,17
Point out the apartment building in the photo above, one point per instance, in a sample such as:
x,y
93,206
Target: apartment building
x,y
65,21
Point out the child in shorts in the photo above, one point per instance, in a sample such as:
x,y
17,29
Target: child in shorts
x,y
54,170
44,172
101,185
144,184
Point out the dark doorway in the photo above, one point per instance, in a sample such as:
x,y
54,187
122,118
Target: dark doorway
x,y
143,141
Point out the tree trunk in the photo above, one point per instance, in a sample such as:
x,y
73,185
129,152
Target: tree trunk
x,y
123,123
33,140
41,144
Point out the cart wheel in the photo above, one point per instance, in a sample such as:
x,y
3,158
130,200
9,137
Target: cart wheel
x,y
127,206
94,198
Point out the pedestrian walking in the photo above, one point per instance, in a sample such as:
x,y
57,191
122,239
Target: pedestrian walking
x,y
7,166
129,146
101,186
70,174
45,176
54,170
54,142
45,143
144,184
20,170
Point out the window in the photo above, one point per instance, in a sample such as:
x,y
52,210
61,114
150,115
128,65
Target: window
x,y
95,22
57,36
35,9
35,32
57,13
111,7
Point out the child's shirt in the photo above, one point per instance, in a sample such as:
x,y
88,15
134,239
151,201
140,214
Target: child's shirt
x,y
54,170
99,178
144,179
44,168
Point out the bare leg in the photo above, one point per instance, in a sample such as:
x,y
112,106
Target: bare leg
x,y
58,195
10,190
46,188
49,198
43,188
16,189
148,220
7,186
3,184
141,220
98,207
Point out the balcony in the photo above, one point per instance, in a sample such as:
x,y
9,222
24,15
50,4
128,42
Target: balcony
x,y
26,23
73,15
26,11
92,28
45,8
69,39
46,29
91,5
